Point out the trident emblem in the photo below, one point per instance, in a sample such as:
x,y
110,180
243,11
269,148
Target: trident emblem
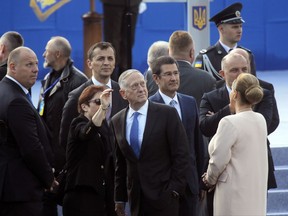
x,y
199,17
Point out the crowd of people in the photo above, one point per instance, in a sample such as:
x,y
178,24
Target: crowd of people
x,y
187,137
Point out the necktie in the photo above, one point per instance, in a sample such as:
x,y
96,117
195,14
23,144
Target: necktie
x,y
230,50
29,97
172,103
134,139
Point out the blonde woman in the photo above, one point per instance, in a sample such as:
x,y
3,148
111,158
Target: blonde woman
x,y
238,167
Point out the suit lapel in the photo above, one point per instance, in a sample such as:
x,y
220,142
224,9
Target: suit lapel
x,y
182,107
159,98
120,129
150,123
220,49
115,98
225,94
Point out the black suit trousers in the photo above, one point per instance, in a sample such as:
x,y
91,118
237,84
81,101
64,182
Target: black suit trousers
x,y
20,208
210,199
83,201
189,204
146,209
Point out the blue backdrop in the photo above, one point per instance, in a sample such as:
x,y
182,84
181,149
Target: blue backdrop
x,y
265,30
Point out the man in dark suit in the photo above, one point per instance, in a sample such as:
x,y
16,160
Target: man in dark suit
x,y
25,169
166,75
120,18
101,60
274,122
8,42
193,81
151,152
229,25
216,104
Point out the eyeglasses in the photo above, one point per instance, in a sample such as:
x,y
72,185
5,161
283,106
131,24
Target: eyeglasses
x,y
96,101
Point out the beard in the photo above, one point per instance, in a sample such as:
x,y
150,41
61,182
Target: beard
x,y
46,64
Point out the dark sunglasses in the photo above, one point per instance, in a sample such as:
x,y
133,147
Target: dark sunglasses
x,y
96,101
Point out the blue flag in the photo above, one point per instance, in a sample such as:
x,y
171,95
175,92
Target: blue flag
x,y
44,8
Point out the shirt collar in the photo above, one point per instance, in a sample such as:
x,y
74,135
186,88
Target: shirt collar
x,y
96,82
185,61
167,99
226,47
21,86
228,89
143,110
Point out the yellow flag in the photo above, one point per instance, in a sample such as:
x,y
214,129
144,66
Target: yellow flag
x,y
44,8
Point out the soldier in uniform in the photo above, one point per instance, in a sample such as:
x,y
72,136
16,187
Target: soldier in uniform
x,y
229,24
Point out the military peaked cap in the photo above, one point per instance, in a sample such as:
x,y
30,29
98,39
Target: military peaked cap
x,y
230,15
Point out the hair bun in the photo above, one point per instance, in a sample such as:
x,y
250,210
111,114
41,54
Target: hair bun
x,y
254,94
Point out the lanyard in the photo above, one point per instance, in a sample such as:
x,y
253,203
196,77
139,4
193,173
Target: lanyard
x,y
50,87
42,103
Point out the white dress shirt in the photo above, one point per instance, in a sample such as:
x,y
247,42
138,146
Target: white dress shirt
x,y
226,47
21,86
109,85
167,101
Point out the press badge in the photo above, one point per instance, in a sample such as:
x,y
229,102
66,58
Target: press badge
x,y
41,107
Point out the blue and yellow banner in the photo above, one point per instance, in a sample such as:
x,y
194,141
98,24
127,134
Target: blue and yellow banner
x,y
44,8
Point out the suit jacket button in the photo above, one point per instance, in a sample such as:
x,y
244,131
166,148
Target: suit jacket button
x,y
102,167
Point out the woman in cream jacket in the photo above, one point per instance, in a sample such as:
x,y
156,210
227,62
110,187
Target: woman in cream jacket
x,y
238,155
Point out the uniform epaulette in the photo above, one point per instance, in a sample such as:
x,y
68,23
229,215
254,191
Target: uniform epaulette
x,y
203,51
245,49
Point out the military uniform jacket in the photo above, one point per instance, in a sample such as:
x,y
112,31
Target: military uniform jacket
x,y
210,60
